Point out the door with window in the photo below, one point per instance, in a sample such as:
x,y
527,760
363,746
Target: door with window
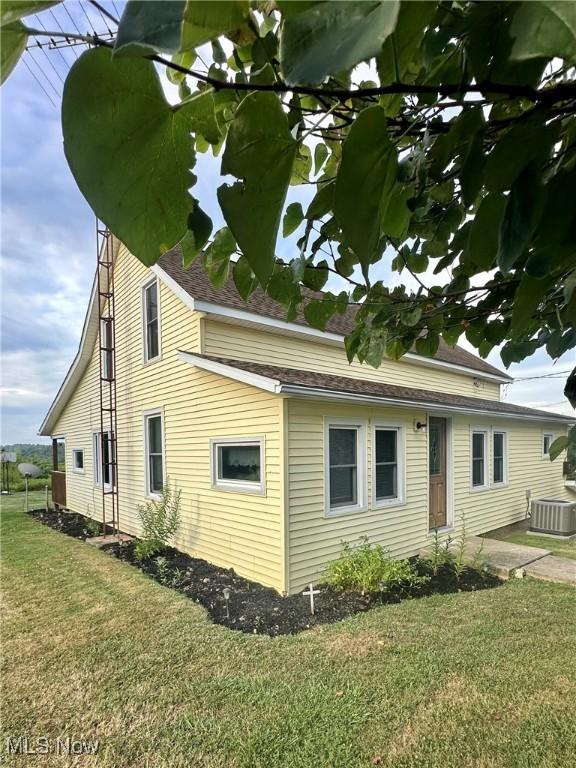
x,y
437,504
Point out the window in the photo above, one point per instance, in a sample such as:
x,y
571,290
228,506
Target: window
x,y
499,459
388,479
107,349
151,325
548,440
103,458
78,460
238,464
345,467
479,465
154,440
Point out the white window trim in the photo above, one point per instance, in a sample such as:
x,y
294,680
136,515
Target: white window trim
x,y
238,486
362,474
487,454
400,499
74,468
504,482
552,437
145,416
146,284
97,462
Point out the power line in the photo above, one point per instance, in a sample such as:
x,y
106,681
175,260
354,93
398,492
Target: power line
x,y
58,75
554,375
104,12
43,73
85,14
40,45
38,81
116,9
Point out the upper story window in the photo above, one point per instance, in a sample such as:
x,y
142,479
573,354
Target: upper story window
x,y
345,467
499,458
479,463
107,349
547,442
151,313
388,466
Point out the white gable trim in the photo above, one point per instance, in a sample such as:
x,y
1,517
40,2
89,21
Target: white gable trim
x,y
238,374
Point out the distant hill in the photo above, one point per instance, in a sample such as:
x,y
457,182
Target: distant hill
x,y
32,453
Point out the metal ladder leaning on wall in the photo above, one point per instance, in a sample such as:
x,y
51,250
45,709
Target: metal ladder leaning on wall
x,y
107,441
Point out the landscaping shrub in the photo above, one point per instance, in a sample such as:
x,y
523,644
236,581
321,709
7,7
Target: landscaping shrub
x,y
370,569
160,521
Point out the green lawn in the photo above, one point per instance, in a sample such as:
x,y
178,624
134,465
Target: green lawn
x,y
556,546
94,649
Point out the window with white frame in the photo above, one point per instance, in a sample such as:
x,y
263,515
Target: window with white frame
x,y
151,322
479,463
154,446
238,464
345,467
388,469
78,460
547,442
499,457
103,448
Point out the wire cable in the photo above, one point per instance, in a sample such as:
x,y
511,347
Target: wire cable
x,y
104,12
38,81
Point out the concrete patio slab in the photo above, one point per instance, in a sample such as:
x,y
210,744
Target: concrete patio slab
x,y
552,568
503,557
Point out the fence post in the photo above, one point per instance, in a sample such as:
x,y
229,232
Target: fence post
x,y
26,481
47,507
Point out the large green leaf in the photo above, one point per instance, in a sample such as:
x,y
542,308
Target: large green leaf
x,y
365,180
207,19
526,142
149,26
331,37
259,150
199,231
13,10
544,29
200,110
292,218
521,217
13,39
482,244
129,150
217,257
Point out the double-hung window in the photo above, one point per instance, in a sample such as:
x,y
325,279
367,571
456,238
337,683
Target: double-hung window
x,y
345,467
499,458
154,447
238,464
104,458
547,442
479,459
151,322
388,469
107,349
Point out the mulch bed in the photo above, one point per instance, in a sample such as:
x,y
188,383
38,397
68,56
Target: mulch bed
x,y
77,526
253,608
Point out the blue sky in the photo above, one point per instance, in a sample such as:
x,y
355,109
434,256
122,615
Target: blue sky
x,y
49,256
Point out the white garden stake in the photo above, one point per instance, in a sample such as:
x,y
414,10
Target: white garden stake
x,y
46,498
26,482
226,593
311,592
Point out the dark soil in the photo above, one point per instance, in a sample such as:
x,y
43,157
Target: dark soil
x,y
256,609
77,526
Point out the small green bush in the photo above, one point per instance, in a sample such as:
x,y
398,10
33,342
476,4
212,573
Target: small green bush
x,y
160,521
370,569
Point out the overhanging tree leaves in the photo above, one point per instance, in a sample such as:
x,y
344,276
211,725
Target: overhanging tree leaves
x,y
439,139
129,150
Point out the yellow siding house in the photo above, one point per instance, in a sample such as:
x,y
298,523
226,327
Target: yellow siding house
x,y
280,448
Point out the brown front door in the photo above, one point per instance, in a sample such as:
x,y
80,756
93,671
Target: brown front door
x,y
437,472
